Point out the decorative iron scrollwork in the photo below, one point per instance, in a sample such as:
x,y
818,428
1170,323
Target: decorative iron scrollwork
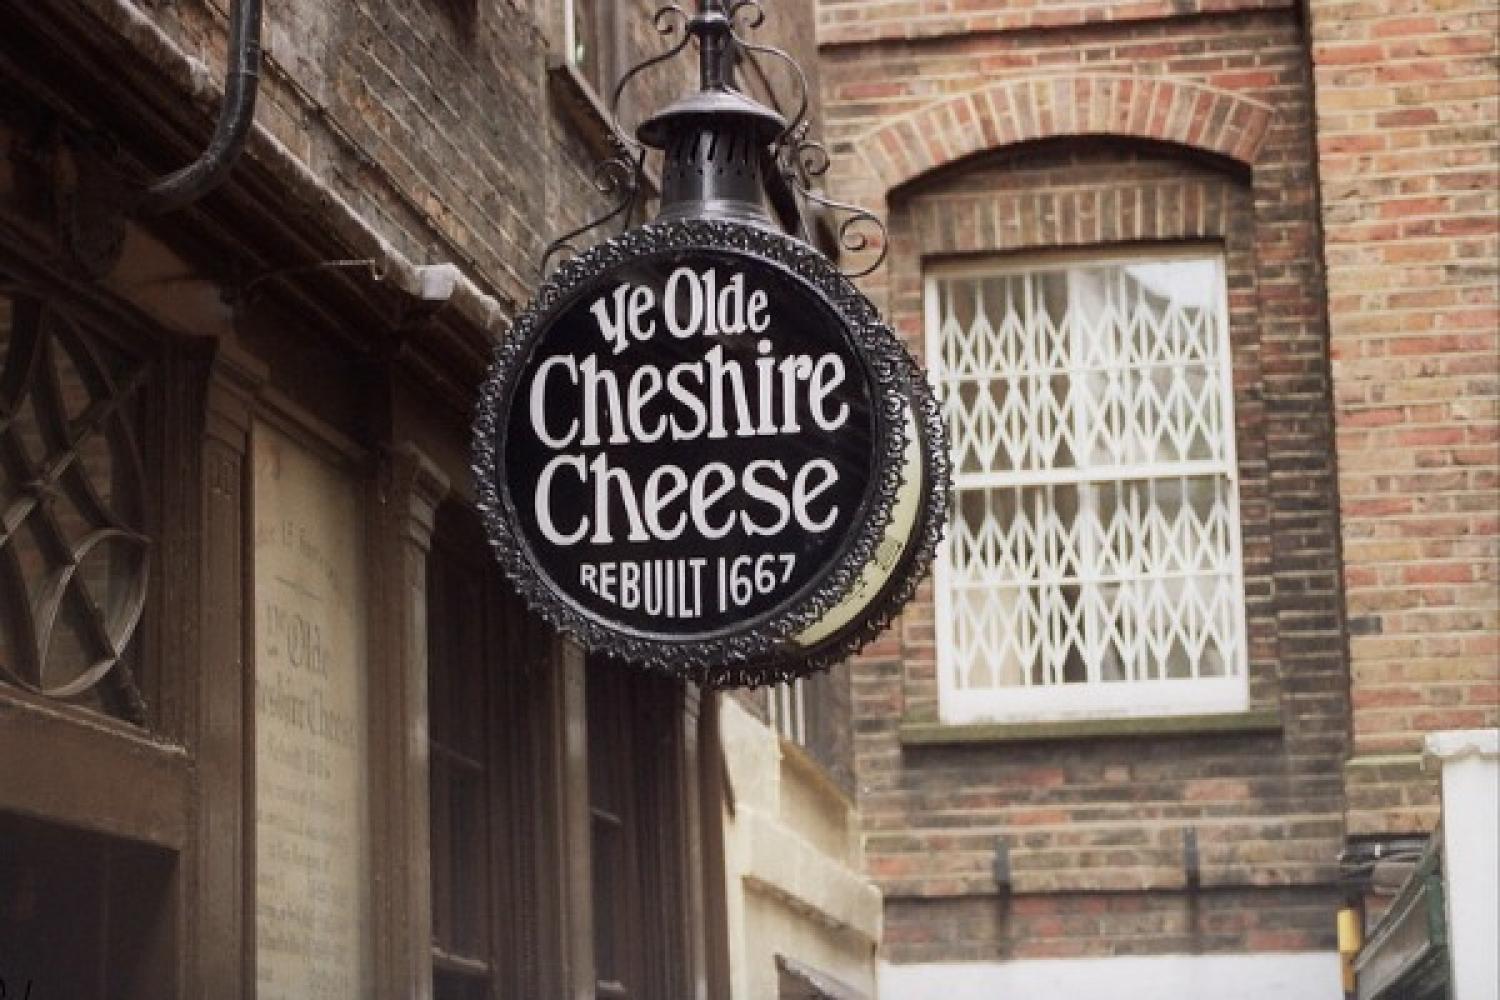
x,y
798,122
664,20
802,161
74,559
619,176
622,175
798,159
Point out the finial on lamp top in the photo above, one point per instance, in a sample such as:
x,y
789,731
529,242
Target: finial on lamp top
x,y
717,140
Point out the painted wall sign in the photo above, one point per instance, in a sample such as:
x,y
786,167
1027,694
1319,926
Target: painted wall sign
x,y
700,449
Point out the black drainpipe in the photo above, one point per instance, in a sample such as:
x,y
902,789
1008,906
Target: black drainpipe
x,y
241,81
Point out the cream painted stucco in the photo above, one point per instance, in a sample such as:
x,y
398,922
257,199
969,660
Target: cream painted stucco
x,y
792,860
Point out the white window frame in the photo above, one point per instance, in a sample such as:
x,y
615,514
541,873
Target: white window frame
x,y
570,45
1091,699
569,34
787,710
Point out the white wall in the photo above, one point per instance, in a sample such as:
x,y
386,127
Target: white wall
x,y
1470,760
1278,976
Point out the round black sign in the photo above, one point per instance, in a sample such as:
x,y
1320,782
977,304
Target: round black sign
x,y
691,448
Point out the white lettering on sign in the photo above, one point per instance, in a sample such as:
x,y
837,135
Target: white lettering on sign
x,y
712,374
614,325
661,515
716,398
612,415
676,588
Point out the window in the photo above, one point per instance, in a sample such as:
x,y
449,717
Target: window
x,y
1092,568
85,916
638,834
74,547
89,896
461,774
788,710
588,35
813,713
487,745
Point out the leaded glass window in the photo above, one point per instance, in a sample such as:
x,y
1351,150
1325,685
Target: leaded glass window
x,y
74,551
1093,566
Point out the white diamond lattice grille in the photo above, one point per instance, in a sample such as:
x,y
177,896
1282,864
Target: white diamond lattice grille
x,y
1093,563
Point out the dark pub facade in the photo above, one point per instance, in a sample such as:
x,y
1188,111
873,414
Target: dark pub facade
x,y
273,720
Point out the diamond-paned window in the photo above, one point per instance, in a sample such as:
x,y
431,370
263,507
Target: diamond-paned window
x,y
74,553
1092,568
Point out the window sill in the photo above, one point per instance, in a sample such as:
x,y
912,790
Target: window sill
x,y
1256,721
97,774
814,773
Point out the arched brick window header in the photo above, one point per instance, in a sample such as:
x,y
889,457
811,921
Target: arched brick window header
x,y
949,130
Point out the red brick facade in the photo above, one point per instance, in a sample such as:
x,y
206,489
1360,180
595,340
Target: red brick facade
x,y
848,21
1408,106
1007,129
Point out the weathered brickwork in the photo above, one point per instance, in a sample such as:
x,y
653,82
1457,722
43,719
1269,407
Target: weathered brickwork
x,y
426,125
448,125
1018,139
842,21
1408,136
1099,925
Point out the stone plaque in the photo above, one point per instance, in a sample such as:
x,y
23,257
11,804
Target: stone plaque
x,y
312,845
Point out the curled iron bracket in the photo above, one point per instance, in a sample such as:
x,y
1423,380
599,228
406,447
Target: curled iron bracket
x,y
622,176
849,234
803,160
797,126
663,20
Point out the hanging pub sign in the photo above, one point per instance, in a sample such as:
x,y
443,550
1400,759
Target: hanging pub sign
x,y
698,445
699,449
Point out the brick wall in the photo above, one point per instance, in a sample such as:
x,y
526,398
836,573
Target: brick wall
x,y
424,122
842,21
1116,125
1407,139
445,122
1095,925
